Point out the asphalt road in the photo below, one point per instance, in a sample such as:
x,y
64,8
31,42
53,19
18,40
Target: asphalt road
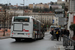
x,y
43,44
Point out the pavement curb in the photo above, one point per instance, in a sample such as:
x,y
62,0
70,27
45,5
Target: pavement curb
x,y
4,37
61,47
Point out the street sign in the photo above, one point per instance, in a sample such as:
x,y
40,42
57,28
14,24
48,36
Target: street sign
x,y
59,13
53,21
62,21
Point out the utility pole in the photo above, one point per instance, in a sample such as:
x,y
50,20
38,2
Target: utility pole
x,y
23,7
41,18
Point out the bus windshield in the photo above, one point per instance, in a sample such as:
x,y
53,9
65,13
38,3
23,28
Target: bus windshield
x,y
21,19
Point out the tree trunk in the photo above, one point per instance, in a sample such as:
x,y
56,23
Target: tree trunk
x,y
4,30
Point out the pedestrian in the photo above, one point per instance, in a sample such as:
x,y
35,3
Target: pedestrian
x,y
62,32
42,31
57,34
67,33
52,33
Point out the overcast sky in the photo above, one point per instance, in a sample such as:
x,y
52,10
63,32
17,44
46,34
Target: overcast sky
x,y
14,2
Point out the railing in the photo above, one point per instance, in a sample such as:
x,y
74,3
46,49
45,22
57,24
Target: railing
x,y
68,43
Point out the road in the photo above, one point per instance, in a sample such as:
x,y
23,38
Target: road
x,y
44,44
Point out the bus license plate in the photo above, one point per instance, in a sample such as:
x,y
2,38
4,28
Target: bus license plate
x,y
20,33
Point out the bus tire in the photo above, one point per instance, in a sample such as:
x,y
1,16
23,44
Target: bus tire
x,y
42,38
17,40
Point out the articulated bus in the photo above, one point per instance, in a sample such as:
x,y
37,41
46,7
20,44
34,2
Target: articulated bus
x,y
26,27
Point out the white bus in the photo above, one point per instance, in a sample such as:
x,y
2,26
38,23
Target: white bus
x,y
26,27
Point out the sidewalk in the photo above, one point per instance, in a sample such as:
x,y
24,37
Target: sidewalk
x,y
7,34
58,44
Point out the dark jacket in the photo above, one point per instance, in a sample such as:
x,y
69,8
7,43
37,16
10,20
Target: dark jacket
x,y
52,32
67,32
58,33
62,32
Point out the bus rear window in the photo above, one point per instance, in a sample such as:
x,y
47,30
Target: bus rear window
x,y
21,19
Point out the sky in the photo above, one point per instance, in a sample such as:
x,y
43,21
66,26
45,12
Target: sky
x,y
27,2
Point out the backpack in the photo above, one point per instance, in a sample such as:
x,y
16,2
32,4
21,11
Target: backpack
x,y
57,32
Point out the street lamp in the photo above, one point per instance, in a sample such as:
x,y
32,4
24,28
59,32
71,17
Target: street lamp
x,y
23,6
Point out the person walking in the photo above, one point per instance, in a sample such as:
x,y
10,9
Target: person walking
x,y
62,32
52,33
67,33
57,34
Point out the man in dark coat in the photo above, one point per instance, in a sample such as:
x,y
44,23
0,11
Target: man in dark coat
x,y
52,33
57,34
62,32
67,33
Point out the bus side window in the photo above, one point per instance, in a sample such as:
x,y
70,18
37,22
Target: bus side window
x,y
38,25
34,24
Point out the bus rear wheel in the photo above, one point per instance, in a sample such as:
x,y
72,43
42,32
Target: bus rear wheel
x,y
42,38
17,40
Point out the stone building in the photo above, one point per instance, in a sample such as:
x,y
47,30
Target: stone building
x,y
46,18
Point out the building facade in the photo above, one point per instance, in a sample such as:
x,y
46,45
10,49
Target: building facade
x,y
40,6
56,6
60,2
46,18
31,6
71,13
72,6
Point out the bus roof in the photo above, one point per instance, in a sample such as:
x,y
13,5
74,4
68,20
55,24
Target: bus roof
x,y
23,16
